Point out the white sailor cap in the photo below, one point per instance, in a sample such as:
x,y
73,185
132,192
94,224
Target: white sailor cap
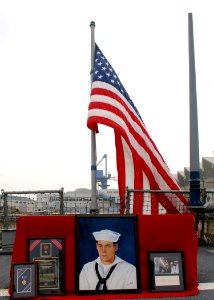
x,y
106,235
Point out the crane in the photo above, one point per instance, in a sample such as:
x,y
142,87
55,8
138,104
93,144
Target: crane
x,y
103,178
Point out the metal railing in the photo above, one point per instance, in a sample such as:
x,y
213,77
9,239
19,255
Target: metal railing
x,y
156,202
48,202
16,203
54,202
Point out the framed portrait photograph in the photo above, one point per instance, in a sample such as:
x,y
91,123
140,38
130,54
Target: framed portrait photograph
x,y
166,271
107,254
23,280
49,254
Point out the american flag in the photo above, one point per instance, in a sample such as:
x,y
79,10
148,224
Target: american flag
x,y
139,163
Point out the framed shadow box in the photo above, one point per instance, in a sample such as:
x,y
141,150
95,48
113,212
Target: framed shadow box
x,y
166,271
49,254
23,280
107,254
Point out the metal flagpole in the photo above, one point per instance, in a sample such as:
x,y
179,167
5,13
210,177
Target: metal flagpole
x,y
194,140
94,206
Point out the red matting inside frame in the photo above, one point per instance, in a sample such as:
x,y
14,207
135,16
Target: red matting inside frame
x,y
155,233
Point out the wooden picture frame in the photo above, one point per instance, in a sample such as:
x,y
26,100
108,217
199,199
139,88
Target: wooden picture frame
x,y
125,278
49,254
166,271
24,280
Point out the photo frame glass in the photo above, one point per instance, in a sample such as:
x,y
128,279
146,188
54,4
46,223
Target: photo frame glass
x,y
49,254
24,280
107,254
166,271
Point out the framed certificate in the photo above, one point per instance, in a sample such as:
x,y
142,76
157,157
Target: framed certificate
x,y
107,257
49,254
166,271
24,280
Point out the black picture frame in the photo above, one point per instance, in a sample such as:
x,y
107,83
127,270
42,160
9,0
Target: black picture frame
x,y
24,280
166,271
127,250
50,256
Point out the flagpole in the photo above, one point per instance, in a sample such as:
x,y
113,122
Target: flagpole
x,y
194,139
94,206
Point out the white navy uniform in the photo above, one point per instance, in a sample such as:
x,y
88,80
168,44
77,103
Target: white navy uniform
x,y
122,277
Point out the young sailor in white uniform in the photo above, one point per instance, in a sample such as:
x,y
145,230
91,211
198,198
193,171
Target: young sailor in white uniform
x,y
108,271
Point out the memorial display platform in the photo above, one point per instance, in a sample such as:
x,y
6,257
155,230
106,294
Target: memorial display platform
x,y
166,233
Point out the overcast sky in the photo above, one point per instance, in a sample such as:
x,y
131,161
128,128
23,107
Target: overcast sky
x,y
45,83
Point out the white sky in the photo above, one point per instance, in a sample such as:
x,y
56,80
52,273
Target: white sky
x,y
45,83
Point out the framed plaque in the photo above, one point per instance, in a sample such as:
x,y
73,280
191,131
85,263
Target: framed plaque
x,y
49,254
107,254
166,271
23,280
